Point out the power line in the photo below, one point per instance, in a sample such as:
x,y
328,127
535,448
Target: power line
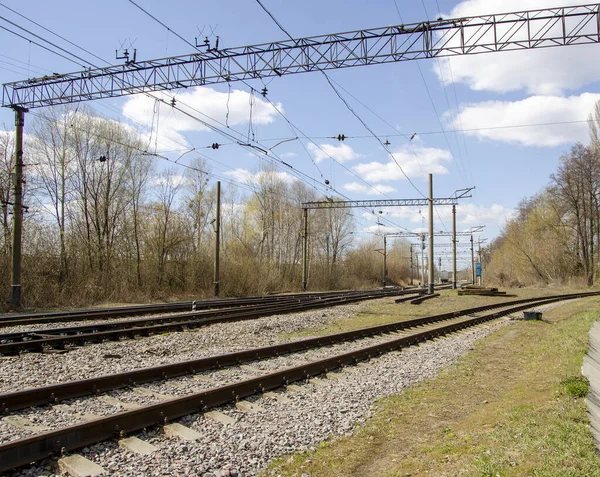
x,y
43,39
40,45
53,33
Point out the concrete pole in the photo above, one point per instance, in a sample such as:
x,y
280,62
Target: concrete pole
x,y
384,260
479,259
423,260
472,262
15,297
431,286
411,264
217,240
305,250
454,247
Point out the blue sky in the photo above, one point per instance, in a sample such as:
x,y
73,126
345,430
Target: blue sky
x,y
495,91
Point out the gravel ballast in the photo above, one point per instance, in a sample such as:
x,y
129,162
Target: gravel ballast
x,y
315,413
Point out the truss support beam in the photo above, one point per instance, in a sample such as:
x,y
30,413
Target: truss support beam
x,y
346,204
552,27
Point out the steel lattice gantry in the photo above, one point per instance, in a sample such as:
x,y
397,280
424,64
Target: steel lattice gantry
x,y
345,204
441,38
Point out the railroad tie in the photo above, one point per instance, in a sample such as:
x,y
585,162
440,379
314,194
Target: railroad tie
x,y
149,392
247,406
25,424
220,417
78,466
137,446
69,410
278,397
181,432
111,401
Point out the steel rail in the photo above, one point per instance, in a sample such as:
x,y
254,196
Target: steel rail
x,y
40,396
133,310
97,327
25,451
39,340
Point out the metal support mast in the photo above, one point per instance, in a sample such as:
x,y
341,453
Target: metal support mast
x,y
423,260
304,248
431,285
472,262
411,265
454,247
384,281
218,241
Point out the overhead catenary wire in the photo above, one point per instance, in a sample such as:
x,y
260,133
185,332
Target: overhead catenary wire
x,y
249,146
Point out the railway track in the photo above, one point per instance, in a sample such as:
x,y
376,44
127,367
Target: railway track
x,y
24,451
137,310
58,338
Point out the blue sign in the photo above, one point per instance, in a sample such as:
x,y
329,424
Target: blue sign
x,y
478,269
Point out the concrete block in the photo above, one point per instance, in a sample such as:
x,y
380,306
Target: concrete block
x,y
293,388
316,381
181,432
220,417
279,397
79,466
25,424
137,446
247,406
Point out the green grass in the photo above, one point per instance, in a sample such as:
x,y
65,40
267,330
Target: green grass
x,y
513,406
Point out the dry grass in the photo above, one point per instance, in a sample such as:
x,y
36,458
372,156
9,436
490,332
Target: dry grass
x,y
385,311
501,411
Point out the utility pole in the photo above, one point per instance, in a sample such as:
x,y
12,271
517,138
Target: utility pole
x,y
454,247
479,259
15,298
411,264
217,240
472,261
430,284
423,260
305,249
384,260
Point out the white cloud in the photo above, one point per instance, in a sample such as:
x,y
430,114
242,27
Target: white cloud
x,y
173,180
538,71
532,110
417,161
200,102
467,215
253,178
341,153
377,189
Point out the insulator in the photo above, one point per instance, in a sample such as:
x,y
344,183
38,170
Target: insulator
x,y
340,137
102,159
326,182
264,91
215,145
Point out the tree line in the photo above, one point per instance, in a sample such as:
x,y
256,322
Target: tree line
x,y
554,236
104,222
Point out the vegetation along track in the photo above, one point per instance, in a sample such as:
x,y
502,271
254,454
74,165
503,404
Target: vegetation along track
x,y
58,338
21,452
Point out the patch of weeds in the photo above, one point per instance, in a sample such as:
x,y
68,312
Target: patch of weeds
x,y
576,386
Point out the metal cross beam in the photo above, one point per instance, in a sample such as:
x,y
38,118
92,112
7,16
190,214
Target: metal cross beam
x,y
522,30
465,233
344,204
